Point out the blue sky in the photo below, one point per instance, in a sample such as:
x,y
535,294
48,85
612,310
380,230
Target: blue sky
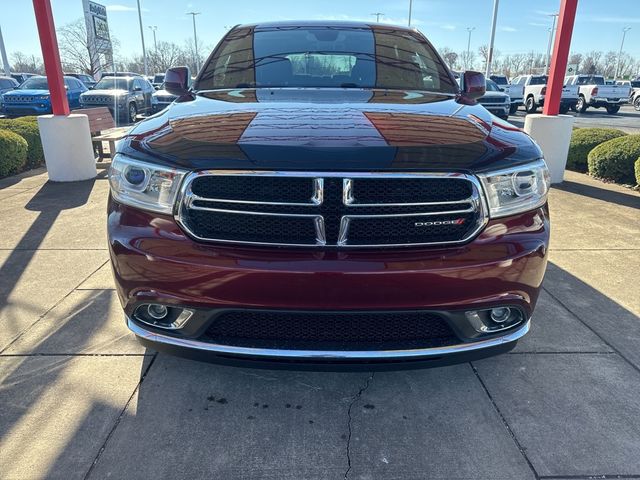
x,y
522,24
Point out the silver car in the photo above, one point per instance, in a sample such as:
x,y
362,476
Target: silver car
x,y
496,100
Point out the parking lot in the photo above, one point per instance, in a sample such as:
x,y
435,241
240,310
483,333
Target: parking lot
x,y
627,119
81,399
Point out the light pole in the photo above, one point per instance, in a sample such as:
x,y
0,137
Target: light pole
x,y
492,38
155,43
5,61
410,8
195,38
466,60
144,51
377,14
553,28
624,34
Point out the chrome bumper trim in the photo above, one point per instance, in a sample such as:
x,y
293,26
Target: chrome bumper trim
x,y
264,353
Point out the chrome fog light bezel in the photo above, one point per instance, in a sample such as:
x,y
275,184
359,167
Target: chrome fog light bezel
x,y
482,322
175,319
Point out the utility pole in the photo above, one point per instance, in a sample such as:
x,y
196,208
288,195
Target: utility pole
x,y
195,38
493,36
377,14
469,29
410,8
155,43
5,61
144,51
553,28
624,34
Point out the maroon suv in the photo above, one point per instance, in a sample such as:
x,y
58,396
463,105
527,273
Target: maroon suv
x,y
326,193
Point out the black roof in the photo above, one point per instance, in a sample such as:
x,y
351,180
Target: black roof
x,y
322,23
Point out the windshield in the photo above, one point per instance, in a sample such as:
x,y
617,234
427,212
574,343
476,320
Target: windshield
x,y
591,80
113,84
493,86
347,57
35,83
539,80
635,84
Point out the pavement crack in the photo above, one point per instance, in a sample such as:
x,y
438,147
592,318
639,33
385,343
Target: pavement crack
x,y
355,398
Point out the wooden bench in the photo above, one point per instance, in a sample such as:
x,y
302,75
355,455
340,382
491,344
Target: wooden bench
x,y
103,129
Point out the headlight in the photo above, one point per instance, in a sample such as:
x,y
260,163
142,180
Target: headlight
x,y
515,190
144,185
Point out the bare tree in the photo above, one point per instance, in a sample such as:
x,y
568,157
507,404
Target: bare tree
x,y
26,63
167,55
449,56
76,52
467,59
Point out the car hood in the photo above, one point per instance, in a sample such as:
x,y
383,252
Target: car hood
x,y
328,129
27,92
109,93
494,95
163,93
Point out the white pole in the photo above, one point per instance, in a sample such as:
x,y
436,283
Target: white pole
x,y
144,51
553,28
195,38
5,61
466,61
410,8
493,36
624,34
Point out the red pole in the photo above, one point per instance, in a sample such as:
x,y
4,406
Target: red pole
x,y
560,56
51,56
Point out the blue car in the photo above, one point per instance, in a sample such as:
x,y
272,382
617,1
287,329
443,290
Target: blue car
x,y
32,96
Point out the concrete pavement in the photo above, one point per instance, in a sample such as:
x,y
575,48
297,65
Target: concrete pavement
x,y
79,398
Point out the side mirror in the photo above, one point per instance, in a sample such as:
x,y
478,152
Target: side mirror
x,y
474,85
137,89
176,81
157,87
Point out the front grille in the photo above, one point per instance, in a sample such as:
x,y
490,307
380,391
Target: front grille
x,y
492,100
330,330
330,209
98,99
19,99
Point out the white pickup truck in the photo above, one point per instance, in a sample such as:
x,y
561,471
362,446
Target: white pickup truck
x,y
535,89
593,92
515,92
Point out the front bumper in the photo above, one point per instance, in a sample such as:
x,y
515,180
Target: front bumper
x,y
26,109
154,261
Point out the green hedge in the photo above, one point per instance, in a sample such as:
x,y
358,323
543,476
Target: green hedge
x,y
31,133
13,153
637,169
614,159
583,140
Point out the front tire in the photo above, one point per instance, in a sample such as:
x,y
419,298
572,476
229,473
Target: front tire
x,y
530,105
513,108
581,106
636,103
132,113
613,109
564,109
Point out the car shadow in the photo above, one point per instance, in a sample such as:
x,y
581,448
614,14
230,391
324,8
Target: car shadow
x,y
624,199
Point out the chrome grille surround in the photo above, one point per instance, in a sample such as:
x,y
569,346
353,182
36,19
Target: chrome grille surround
x,y
476,203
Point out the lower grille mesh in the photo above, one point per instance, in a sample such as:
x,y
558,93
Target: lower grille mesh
x,y
330,330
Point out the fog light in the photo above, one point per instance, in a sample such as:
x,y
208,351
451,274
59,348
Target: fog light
x,y
157,312
495,319
500,315
161,316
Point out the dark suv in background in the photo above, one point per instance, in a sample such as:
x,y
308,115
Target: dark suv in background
x,y
126,97
326,193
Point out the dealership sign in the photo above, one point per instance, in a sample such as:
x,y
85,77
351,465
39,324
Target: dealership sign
x,y
98,39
